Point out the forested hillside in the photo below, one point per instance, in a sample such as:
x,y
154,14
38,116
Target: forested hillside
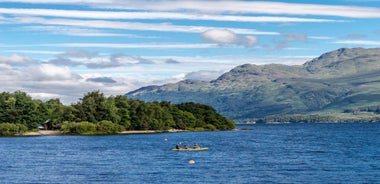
x,y
95,113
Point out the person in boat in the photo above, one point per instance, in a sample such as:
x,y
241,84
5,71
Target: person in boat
x,y
187,147
196,146
177,146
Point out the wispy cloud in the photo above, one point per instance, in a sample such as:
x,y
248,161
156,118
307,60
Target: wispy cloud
x,y
93,61
77,31
225,6
250,7
287,38
153,15
290,37
359,42
16,59
321,37
133,46
108,45
46,72
47,52
356,36
79,53
165,27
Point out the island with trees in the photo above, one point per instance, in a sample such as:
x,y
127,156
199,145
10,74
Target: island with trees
x,y
96,114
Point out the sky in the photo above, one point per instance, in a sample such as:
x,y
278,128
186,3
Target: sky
x,y
64,49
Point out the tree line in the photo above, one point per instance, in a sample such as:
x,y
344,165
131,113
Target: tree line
x,y
96,113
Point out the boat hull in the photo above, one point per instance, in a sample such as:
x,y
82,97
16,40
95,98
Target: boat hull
x,y
190,149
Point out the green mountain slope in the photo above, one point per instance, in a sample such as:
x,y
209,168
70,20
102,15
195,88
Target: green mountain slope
x,y
336,81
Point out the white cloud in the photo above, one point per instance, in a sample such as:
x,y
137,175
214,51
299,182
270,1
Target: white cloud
x,y
257,7
153,15
165,27
16,59
102,62
359,42
47,52
8,74
44,96
225,6
48,81
79,54
220,36
76,31
48,72
321,37
130,46
249,41
94,61
224,36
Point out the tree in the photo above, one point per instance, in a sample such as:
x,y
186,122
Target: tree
x,y
122,105
56,113
111,111
92,107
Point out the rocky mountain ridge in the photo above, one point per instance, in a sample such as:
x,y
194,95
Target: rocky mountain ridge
x,y
333,82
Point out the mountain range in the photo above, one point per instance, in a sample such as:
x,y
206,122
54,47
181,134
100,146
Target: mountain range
x,y
343,79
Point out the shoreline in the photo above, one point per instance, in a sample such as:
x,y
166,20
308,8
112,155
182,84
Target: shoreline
x,y
43,133
60,133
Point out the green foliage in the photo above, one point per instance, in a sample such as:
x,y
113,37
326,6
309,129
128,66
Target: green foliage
x,y
68,127
10,129
209,127
92,107
206,116
82,128
107,127
85,128
98,114
184,120
18,107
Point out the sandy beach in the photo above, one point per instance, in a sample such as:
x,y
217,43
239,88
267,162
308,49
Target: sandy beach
x,y
43,133
56,132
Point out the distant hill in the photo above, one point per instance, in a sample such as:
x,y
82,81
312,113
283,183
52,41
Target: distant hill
x,y
336,81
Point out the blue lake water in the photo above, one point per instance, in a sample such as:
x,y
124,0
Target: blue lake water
x,y
285,153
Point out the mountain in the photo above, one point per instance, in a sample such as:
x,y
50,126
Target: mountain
x,y
336,81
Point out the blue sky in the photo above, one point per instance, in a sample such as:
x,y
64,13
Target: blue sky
x,y
63,49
